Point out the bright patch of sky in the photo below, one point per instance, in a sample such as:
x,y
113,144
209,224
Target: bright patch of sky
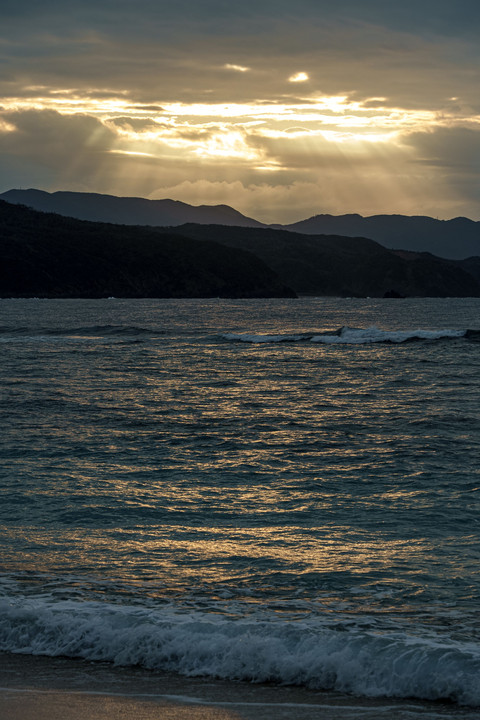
x,y
298,77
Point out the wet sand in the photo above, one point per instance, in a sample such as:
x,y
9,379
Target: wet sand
x,y
38,688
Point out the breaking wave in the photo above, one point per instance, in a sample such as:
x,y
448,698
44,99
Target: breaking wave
x,y
306,653
356,336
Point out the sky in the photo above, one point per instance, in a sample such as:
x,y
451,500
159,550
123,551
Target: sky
x,y
280,109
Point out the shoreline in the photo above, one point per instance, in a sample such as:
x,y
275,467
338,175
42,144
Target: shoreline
x,y
44,688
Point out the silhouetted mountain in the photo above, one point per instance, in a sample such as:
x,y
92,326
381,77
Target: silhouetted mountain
x,y
126,210
47,255
455,239
342,266
471,265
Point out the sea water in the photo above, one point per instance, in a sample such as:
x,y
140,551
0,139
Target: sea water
x,y
280,491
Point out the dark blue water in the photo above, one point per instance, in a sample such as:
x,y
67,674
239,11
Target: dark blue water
x,y
280,490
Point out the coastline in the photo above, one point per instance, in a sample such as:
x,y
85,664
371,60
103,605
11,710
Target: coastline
x,y
44,688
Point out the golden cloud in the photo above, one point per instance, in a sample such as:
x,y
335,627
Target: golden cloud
x,y
299,77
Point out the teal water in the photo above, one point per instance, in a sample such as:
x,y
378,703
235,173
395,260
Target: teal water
x,y
281,490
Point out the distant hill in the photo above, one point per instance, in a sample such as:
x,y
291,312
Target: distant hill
x,y
343,266
51,255
454,239
126,210
47,255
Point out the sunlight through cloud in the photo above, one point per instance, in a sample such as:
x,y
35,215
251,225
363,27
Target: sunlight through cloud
x,y
299,77
237,68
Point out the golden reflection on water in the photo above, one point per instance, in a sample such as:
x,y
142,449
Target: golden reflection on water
x,y
292,466
177,556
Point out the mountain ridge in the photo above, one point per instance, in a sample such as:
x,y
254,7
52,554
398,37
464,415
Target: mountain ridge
x,y
98,207
50,255
333,265
455,239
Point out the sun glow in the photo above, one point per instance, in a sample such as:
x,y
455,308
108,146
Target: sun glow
x,y
229,144
271,159
6,127
299,77
264,136
132,152
337,111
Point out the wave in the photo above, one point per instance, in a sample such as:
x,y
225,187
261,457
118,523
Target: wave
x,y
90,331
356,336
306,653
344,335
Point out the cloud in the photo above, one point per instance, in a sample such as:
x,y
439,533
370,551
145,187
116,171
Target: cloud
x,y
128,98
277,175
236,68
298,77
62,147
48,134
432,15
451,148
454,155
261,201
158,52
336,193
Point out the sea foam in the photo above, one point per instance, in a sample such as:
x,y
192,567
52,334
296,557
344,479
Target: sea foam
x,y
304,653
350,336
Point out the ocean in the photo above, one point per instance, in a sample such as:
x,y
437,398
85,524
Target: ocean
x,y
271,491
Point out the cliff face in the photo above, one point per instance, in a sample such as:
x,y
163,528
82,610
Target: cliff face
x,y
46,255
